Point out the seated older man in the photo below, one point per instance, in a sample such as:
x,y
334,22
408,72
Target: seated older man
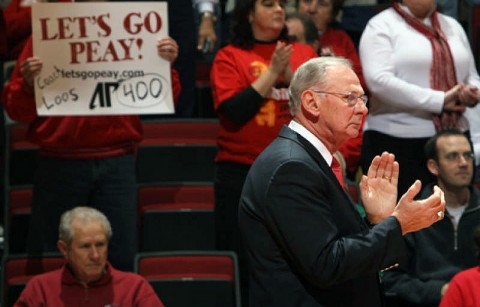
x,y
87,278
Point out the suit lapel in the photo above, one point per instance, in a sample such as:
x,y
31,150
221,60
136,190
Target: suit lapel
x,y
313,152
317,157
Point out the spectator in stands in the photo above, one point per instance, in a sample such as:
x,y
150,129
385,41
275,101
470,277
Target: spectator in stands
x,y
83,159
334,42
437,253
306,244
421,74
249,82
464,289
86,278
302,29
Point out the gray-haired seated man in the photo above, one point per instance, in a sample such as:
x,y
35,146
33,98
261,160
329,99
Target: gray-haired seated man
x,y
87,278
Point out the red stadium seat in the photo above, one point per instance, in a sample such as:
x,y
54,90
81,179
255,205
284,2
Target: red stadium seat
x,y
192,278
177,151
18,270
177,132
178,217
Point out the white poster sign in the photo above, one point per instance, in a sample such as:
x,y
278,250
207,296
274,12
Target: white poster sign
x,y
101,58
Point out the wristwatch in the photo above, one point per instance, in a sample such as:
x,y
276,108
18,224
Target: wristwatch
x,y
208,15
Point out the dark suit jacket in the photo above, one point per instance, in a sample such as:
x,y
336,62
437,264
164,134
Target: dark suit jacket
x,y
306,243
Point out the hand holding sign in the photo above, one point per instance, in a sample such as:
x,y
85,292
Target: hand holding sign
x,y
167,49
82,45
30,69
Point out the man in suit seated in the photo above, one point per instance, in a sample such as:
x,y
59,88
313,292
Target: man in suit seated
x,y
306,244
437,253
86,277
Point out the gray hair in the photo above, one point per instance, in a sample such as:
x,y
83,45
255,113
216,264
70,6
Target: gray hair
x,y
83,215
311,73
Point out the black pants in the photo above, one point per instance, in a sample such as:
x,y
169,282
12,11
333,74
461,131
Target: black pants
x,y
229,180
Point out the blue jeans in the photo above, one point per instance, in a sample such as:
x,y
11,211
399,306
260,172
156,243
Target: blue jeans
x,y
105,184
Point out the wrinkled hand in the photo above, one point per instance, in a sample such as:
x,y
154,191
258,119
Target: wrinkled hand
x,y
206,30
468,95
415,215
167,49
378,189
451,99
281,58
31,68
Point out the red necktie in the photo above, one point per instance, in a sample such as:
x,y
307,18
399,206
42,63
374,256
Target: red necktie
x,y
337,170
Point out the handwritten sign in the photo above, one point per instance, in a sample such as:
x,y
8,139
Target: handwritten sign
x,y
101,58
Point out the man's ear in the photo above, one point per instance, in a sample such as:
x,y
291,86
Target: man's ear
x,y
62,247
310,105
432,166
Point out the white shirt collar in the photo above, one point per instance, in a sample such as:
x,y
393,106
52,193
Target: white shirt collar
x,y
310,137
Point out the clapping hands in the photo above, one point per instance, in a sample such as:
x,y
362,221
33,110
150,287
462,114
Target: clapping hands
x,y
378,189
280,60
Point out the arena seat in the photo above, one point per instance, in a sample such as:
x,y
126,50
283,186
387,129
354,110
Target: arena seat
x,y
176,217
192,278
17,223
177,151
19,269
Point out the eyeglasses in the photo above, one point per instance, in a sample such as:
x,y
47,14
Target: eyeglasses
x,y
455,156
350,98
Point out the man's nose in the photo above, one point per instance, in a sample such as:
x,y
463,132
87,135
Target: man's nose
x,y
94,253
462,160
361,107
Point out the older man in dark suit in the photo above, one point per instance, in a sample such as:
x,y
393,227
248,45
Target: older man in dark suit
x,y
306,243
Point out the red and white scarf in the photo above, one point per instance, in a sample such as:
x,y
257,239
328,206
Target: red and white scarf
x,y
442,71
